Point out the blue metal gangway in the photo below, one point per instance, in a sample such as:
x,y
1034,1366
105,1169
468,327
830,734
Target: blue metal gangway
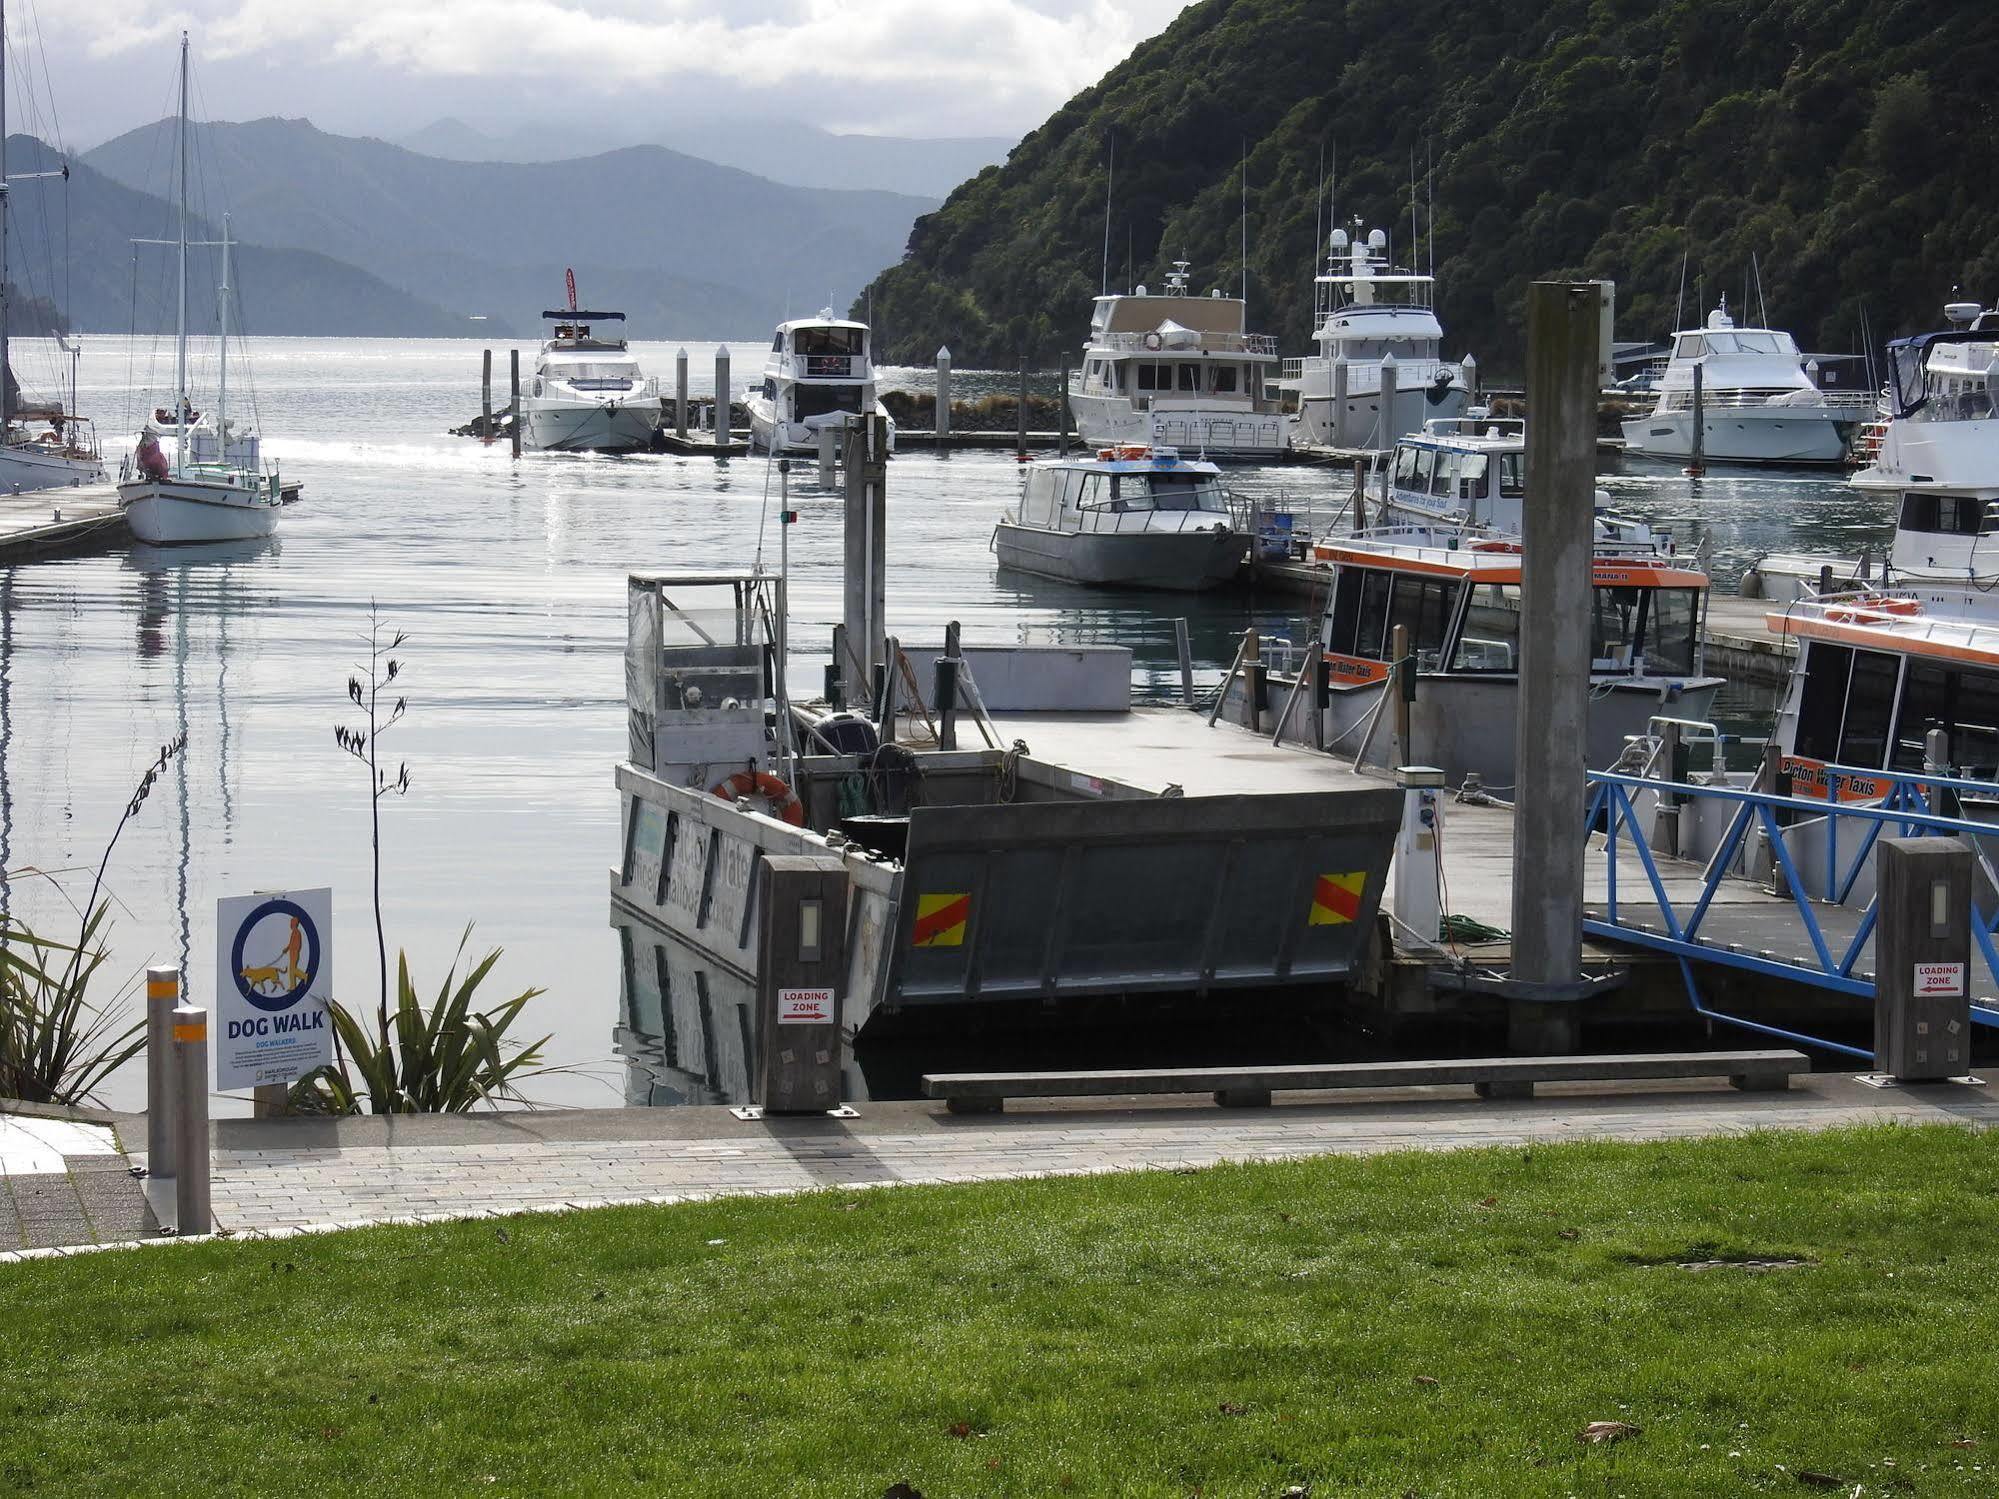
x,y
1813,927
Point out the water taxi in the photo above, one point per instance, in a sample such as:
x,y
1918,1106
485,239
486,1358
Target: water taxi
x,y
1177,370
1459,599
1369,316
1132,517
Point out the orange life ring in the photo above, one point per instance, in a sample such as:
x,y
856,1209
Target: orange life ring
x,y
784,802
1495,546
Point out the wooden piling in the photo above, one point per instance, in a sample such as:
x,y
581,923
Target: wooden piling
x,y
514,407
486,398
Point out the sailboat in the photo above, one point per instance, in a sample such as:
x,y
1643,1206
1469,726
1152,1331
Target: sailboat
x,y
196,493
65,453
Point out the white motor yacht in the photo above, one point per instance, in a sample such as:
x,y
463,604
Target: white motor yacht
x,y
1378,323
1123,518
174,497
1177,370
820,371
1758,404
589,395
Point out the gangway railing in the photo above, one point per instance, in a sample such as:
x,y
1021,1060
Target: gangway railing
x,y
1819,885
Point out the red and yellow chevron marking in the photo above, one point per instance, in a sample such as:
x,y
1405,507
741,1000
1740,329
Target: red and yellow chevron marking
x,y
940,920
1336,898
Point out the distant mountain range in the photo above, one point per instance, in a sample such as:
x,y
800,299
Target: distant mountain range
x,y
283,291
687,248
782,150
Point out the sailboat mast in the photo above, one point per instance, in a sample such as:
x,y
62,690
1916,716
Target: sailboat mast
x,y
180,316
222,370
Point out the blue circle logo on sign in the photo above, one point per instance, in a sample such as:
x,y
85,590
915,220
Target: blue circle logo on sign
x,y
275,957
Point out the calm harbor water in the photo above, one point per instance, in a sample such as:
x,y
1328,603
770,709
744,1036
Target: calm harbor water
x,y
509,579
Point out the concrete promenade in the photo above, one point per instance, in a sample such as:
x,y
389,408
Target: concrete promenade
x,y
290,1176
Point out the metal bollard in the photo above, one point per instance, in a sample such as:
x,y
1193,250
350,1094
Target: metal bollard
x,y
191,1209
162,996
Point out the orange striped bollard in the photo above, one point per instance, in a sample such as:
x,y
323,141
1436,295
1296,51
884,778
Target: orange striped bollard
x,y
162,995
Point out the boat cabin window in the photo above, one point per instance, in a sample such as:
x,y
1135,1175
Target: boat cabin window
x,y
1961,700
1149,377
824,400
1405,466
828,340
1471,476
1153,491
1513,475
1444,475
1368,603
1947,514
1688,346
597,374
1651,630
777,344
1490,640
1225,379
1845,705
1672,626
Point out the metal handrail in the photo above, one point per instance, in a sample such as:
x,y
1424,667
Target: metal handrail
x,y
1210,343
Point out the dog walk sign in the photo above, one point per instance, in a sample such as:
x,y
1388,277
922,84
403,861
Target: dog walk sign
x,y
274,976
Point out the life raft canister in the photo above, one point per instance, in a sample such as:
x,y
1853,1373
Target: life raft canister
x,y
784,802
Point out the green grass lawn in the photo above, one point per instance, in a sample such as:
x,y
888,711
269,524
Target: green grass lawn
x,y
1407,1324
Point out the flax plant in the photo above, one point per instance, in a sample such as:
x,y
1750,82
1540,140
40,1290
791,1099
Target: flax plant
x,y
364,690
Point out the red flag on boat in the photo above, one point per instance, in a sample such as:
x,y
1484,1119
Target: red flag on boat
x,y
570,277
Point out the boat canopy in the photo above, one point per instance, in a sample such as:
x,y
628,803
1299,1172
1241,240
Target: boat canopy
x,y
566,316
1909,358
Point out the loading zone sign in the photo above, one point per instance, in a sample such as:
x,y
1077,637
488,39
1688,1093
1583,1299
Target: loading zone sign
x,y
274,976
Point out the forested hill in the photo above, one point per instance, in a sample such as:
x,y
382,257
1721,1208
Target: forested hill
x,y
1848,144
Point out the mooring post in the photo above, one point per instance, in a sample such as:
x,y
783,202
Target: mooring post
x,y
1697,456
1404,670
1385,431
1469,366
1922,1005
162,997
724,418
514,402
1186,649
190,1031
1358,519
865,461
1062,411
1557,543
1336,435
1252,680
680,394
941,422
486,397
1020,438
837,671
945,691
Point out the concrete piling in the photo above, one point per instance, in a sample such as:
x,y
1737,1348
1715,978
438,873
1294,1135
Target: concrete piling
x,y
723,419
680,394
1557,542
1697,454
1469,366
1384,433
865,462
942,420
514,406
1342,380
486,397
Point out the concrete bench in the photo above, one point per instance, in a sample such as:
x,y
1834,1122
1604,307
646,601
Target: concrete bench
x,y
1251,1087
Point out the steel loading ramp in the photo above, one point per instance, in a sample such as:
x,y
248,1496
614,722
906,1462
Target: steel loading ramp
x,y
1051,900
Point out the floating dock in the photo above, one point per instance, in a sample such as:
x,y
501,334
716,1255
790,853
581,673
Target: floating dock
x,y
51,519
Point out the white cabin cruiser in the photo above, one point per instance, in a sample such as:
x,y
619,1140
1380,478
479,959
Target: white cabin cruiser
x,y
1180,371
170,498
1938,459
1370,318
1758,403
1125,518
820,372
589,395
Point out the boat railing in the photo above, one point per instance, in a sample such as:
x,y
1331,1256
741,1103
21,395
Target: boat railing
x,y
1842,404
1210,343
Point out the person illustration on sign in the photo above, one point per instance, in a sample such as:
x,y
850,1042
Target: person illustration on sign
x,y
284,974
297,940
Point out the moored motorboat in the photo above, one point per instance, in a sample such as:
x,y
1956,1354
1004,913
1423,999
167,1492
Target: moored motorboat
x,y
1129,517
820,371
589,395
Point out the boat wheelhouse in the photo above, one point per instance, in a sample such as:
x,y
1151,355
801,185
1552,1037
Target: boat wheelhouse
x,y
1460,602
589,395
1178,370
1758,405
1877,672
820,372
1125,518
1938,460
1369,317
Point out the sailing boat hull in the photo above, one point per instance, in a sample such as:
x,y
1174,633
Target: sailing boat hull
x,y
173,512
24,467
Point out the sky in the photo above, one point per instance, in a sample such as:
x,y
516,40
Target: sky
x,y
387,67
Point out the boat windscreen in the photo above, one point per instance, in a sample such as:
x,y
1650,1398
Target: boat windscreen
x,y
828,340
1167,491
597,372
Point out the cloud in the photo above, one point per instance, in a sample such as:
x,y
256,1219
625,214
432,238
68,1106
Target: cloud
x,y
881,64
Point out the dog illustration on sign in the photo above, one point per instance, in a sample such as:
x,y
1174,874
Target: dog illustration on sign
x,y
283,975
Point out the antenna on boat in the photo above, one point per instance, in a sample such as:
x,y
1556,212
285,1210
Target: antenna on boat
x,y
1680,303
1762,307
1245,221
1110,181
1430,198
1415,229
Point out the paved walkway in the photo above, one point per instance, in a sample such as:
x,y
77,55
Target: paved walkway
x,y
64,1182
288,1176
